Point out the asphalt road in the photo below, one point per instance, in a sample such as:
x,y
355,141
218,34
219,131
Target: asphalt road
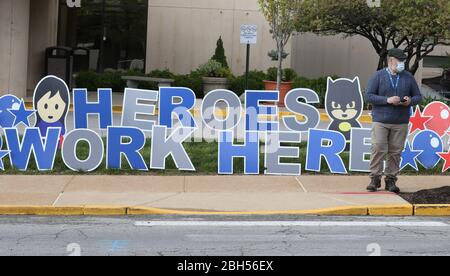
x,y
212,236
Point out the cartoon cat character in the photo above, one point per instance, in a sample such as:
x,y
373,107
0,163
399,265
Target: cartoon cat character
x,y
344,105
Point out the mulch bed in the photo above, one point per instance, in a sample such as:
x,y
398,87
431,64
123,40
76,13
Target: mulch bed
x,y
433,196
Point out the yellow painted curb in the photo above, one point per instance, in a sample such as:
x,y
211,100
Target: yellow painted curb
x,y
392,210
122,211
344,211
105,211
437,210
341,211
41,210
432,210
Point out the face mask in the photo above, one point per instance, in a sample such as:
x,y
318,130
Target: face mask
x,y
400,67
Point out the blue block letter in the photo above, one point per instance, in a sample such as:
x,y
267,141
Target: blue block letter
x,y
44,149
254,109
228,151
168,106
83,108
330,152
130,150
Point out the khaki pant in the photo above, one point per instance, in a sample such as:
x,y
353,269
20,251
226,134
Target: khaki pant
x,y
388,141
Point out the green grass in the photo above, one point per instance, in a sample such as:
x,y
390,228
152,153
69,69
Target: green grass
x,y
203,156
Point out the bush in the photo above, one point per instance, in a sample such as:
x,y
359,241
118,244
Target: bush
x,y
92,81
214,69
88,80
427,100
162,74
255,82
288,74
318,85
133,73
219,55
193,81
272,74
112,80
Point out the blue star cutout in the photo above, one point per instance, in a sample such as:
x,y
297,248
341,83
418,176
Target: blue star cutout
x,y
3,154
21,115
409,157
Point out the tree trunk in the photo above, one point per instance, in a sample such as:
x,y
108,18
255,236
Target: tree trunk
x,y
280,65
413,69
382,62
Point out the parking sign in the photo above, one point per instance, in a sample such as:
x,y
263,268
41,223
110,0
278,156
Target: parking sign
x,y
249,34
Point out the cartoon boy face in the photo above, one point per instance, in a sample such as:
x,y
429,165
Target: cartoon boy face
x,y
344,113
51,109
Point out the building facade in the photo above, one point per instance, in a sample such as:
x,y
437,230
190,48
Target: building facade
x,y
178,35
26,29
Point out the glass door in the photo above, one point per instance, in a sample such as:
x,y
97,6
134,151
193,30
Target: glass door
x,y
113,31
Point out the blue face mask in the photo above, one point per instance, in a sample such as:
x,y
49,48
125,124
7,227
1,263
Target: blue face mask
x,y
400,67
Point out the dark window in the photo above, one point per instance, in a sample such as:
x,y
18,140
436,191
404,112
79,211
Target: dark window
x,y
115,32
436,61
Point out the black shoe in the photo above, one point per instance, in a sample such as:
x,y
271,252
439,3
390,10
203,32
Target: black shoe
x,y
374,185
391,186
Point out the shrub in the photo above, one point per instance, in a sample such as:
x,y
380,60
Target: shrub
x,y
112,80
133,73
255,82
272,74
162,74
214,69
427,100
88,80
219,55
288,74
319,85
193,81
92,80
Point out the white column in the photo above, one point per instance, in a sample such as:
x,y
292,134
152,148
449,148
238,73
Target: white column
x,y
43,34
14,33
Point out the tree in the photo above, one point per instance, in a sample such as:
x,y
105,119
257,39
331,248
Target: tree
x,y
282,17
219,55
416,26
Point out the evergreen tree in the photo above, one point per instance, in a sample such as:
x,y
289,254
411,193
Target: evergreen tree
x,y
219,55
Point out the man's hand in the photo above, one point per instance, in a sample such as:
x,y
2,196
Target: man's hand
x,y
406,101
394,100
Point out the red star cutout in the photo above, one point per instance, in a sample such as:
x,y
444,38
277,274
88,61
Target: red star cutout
x,y
446,157
418,121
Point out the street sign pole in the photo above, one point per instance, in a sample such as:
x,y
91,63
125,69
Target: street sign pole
x,y
247,67
249,35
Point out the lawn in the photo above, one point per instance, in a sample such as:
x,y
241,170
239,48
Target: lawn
x,y
203,156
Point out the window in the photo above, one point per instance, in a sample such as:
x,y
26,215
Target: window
x,y
436,61
115,32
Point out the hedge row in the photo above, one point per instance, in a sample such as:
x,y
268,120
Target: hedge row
x,y
92,80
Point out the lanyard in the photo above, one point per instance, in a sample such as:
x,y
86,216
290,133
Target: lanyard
x,y
394,84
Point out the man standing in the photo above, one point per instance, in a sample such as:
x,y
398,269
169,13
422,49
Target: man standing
x,y
392,92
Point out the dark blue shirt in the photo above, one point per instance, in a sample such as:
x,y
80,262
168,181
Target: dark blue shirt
x,y
382,86
43,126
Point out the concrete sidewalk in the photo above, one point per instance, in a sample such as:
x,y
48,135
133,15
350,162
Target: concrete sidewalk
x,y
246,194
